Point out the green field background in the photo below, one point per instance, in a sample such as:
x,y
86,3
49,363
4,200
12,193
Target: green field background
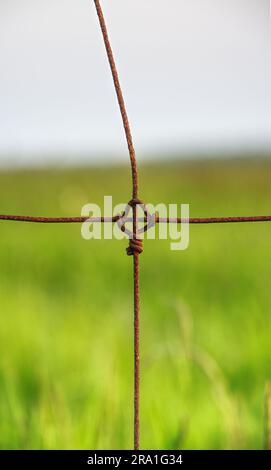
x,y
66,320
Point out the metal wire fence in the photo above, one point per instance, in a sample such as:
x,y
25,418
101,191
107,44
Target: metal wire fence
x,y
135,247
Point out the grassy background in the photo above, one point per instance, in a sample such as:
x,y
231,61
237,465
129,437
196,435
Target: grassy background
x,y
66,314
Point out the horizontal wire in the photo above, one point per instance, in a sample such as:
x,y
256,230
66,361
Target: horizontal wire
x,y
57,220
215,220
158,220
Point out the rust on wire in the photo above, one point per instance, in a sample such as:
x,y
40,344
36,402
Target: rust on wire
x,y
214,220
120,98
157,220
57,220
135,245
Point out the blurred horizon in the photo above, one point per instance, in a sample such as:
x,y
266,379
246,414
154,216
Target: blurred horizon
x,y
196,80
86,161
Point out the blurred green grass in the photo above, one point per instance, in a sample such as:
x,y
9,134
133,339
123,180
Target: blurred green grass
x,y
66,314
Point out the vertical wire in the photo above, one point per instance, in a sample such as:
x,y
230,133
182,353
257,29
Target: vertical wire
x,y
134,171
124,115
136,341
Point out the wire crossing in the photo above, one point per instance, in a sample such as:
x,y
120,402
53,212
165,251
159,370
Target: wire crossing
x,y
135,247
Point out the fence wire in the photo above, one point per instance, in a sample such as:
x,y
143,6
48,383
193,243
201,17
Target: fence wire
x,y
135,247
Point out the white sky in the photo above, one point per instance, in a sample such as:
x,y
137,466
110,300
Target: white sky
x,y
196,76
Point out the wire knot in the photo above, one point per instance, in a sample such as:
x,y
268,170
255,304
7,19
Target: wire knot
x,y
135,202
135,246
135,243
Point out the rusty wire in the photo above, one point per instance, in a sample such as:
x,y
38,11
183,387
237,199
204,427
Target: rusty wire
x,y
135,244
158,220
120,98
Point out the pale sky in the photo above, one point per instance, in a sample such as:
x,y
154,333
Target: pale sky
x,y
196,76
